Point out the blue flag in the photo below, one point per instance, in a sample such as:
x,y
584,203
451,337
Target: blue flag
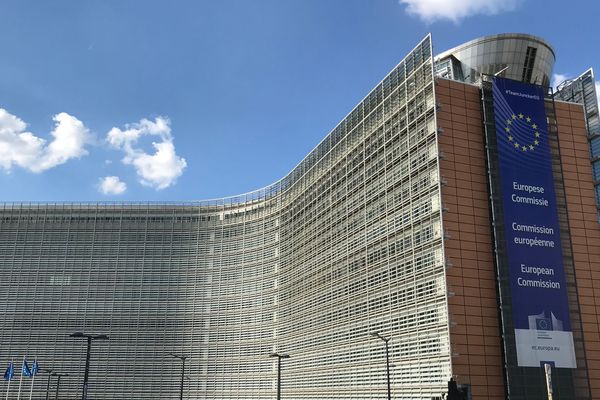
x,y
34,367
10,372
25,370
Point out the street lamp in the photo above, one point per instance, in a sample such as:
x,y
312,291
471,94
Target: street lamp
x,y
49,372
387,361
81,335
279,357
182,358
58,382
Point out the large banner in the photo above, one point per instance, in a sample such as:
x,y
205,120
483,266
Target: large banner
x,y
537,281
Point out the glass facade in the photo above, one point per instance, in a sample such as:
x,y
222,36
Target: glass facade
x,y
582,90
349,243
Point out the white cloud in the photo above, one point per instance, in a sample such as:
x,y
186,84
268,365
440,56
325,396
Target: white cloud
x,y
112,185
22,148
158,170
70,138
557,79
455,10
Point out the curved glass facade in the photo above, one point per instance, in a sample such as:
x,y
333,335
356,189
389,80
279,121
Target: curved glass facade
x,y
349,243
518,56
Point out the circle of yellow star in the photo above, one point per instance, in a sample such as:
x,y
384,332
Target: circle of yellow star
x,y
531,127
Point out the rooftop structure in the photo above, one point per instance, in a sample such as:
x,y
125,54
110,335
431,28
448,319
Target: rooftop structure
x,y
517,56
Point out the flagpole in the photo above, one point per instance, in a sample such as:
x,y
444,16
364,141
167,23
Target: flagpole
x,y
13,369
31,390
32,379
21,380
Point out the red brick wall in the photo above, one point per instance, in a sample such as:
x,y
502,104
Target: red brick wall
x,y
584,227
475,332
475,329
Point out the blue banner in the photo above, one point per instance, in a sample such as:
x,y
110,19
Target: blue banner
x,y
537,281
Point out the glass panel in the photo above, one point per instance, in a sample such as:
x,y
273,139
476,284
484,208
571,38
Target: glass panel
x,y
596,170
595,145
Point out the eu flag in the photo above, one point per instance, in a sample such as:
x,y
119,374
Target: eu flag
x,y
25,370
10,372
34,367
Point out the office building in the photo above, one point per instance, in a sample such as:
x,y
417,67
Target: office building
x,y
582,90
396,224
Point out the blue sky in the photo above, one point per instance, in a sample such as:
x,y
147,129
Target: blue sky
x,y
189,100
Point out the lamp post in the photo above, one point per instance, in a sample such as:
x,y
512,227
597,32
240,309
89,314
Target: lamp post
x,y
81,335
279,357
49,372
182,358
58,376
387,361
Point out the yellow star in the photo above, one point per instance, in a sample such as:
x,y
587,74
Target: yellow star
x,y
517,145
507,129
528,119
537,134
510,138
521,115
508,121
524,148
514,116
534,126
531,147
536,142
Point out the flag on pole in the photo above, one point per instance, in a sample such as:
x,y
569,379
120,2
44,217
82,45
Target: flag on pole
x,y
34,368
25,370
10,372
